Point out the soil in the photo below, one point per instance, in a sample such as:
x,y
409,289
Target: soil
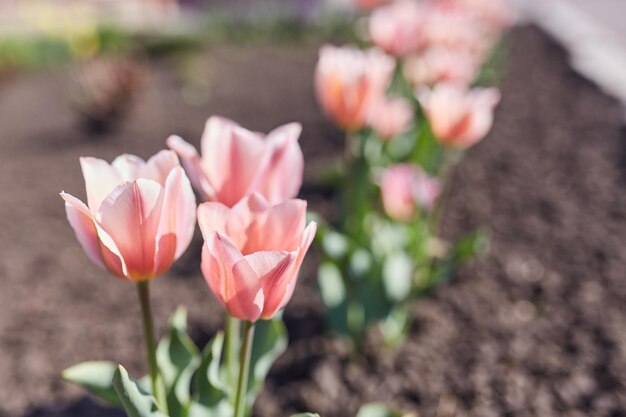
x,y
537,327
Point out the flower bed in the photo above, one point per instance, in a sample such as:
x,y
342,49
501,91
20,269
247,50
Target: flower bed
x,y
532,328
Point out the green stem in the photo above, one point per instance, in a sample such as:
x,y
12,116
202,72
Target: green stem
x,y
148,330
233,337
244,369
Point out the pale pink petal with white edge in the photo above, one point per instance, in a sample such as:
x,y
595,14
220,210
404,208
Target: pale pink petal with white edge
x,y
231,157
100,179
81,220
280,172
128,167
192,163
178,220
159,166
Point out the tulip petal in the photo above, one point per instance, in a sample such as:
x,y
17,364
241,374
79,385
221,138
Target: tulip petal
x,y
111,254
100,179
79,217
178,220
216,129
212,217
128,167
159,166
275,271
280,173
231,278
131,216
279,288
193,167
241,217
227,149
278,228
305,244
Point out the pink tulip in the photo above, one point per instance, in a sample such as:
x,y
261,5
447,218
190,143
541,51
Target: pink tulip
x,y
452,28
458,117
253,253
398,28
236,162
391,116
436,65
348,80
405,188
494,15
140,215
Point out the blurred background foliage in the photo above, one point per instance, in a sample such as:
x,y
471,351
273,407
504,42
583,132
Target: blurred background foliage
x,y
44,33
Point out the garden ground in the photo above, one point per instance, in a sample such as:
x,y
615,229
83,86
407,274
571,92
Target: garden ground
x,y
537,327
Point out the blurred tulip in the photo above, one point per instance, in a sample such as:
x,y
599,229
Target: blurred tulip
x,y
437,65
391,116
253,253
452,28
348,81
494,15
236,162
405,188
459,117
140,216
398,28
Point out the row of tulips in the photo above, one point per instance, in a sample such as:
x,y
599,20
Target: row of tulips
x,y
410,105
140,217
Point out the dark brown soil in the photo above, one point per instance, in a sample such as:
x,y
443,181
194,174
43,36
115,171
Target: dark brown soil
x,y
535,328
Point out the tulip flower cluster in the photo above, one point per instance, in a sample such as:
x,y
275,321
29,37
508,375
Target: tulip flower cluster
x,y
410,105
140,217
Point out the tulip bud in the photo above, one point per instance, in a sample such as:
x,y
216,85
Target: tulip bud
x,y
348,81
436,65
391,116
405,188
458,117
398,27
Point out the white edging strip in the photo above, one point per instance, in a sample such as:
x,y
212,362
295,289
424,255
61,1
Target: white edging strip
x,y
597,52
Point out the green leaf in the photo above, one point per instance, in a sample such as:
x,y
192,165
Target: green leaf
x,y
368,305
178,358
398,276
335,245
360,264
211,393
388,237
380,410
334,295
136,402
394,326
427,152
331,284
400,147
270,341
469,246
96,377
